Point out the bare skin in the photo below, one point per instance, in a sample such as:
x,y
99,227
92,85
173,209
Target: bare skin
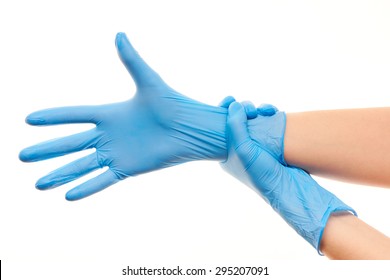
x,y
347,237
349,145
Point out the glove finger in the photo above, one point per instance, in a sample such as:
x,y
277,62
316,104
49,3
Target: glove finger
x,y
237,125
69,172
60,146
250,109
267,110
64,115
92,186
143,75
226,101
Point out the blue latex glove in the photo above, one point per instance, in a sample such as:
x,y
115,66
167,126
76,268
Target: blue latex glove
x,y
291,192
155,129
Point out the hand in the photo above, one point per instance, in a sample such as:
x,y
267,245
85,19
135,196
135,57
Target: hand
x,y
155,129
266,126
290,191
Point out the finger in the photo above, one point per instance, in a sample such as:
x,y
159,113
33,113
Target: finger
x,y
143,75
250,109
267,110
226,101
92,186
69,172
63,115
237,124
59,147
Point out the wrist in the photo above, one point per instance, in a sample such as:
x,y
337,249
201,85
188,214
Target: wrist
x,y
201,129
306,206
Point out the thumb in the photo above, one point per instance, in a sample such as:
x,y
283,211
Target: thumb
x,y
143,75
237,130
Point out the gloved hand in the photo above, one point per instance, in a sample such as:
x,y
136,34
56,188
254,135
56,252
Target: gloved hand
x,y
155,129
291,192
266,126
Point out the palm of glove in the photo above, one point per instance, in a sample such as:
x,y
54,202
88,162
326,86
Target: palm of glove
x,y
125,137
157,128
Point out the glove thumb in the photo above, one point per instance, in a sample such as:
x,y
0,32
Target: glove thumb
x,y
143,75
237,130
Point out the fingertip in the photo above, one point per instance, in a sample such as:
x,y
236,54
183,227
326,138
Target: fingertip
x,y
40,186
267,110
72,196
22,156
44,184
142,74
118,39
34,119
236,114
25,155
69,199
235,108
250,109
227,101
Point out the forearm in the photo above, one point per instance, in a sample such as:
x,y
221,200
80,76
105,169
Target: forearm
x,y
351,145
347,237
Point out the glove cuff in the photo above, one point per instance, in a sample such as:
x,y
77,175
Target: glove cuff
x,y
337,207
306,206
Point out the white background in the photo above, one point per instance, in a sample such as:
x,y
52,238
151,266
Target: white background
x,y
297,55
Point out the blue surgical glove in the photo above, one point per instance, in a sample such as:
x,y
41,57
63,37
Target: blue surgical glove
x,y
291,192
157,128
